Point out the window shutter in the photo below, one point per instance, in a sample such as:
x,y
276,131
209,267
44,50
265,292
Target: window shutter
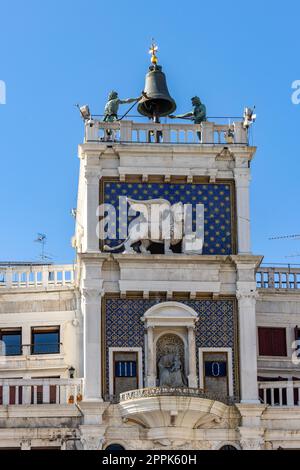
x,y
272,341
279,342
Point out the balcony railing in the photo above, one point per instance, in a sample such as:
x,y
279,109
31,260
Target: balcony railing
x,y
281,393
133,132
278,278
37,276
178,392
40,391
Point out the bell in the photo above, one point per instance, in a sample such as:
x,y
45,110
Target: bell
x,y
157,101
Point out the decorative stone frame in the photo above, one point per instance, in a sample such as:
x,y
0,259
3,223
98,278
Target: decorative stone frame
x,y
228,351
111,352
170,318
219,445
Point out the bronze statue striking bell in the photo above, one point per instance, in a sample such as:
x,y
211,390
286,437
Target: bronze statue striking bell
x,y
157,101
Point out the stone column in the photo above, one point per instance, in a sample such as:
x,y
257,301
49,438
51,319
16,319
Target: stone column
x,y
242,180
91,306
192,377
91,240
151,376
248,346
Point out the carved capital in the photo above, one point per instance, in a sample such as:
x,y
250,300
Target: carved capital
x,y
242,177
92,437
91,296
247,296
25,444
252,438
92,175
91,442
252,444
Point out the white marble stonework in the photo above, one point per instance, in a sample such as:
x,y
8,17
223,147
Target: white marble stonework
x,y
41,405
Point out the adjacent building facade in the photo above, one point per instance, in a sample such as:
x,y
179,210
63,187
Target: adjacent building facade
x,y
156,347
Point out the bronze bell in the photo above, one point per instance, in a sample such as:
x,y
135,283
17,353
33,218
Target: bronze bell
x,y
157,101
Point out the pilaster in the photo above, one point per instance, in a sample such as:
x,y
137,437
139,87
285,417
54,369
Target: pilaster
x,y
242,182
92,178
192,378
246,295
91,307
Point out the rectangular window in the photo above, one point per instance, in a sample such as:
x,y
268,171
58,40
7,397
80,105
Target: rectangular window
x,y
125,369
12,341
272,341
45,340
215,370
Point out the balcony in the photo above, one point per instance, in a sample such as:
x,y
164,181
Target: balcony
x,y
40,391
175,133
278,278
171,392
161,407
36,276
281,393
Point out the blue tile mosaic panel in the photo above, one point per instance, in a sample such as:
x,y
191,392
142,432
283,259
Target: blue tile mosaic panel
x,y
215,328
217,199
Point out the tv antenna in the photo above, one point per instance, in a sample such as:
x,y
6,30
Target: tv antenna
x,y
42,240
284,237
288,237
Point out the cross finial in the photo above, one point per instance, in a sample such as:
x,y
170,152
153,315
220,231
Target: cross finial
x,y
152,51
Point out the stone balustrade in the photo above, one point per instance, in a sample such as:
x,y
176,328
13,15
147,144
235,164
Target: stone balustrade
x,y
151,392
174,133
278,278
45,276
40,391
69,391
281,393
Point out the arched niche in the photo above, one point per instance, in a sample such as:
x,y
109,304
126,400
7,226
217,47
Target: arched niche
x,y
170,347
170,318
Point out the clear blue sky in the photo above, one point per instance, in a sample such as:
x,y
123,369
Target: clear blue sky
x,y
56,53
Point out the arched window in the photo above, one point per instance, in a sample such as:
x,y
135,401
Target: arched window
x,y
113,447
228,447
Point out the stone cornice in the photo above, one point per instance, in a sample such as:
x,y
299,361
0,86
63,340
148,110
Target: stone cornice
x,y
157,149
174,258
280,295
247,261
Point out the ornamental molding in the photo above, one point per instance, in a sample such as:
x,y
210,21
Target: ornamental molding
x,y
92,175
25,443
252,444
247,295
90,442
225,155
242,177
91,437
170,313
90,296
252,438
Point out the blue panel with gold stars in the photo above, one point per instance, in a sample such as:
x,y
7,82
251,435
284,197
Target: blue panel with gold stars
x,y
216,198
